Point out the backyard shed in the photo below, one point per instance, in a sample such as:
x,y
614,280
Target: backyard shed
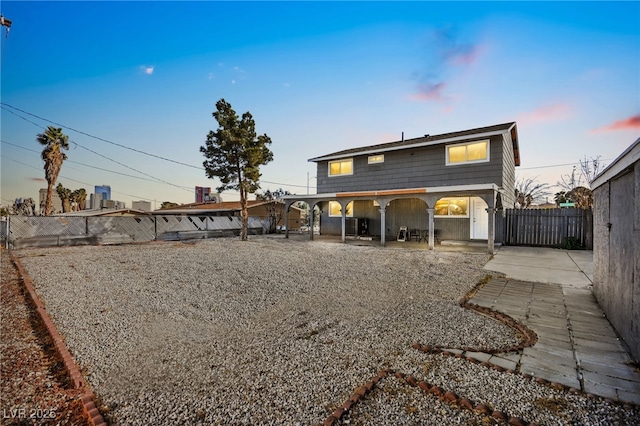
x,y
616,247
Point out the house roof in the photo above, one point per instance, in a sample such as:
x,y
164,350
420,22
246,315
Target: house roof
x,y
104,212
210,207
225,205
427,140
620,164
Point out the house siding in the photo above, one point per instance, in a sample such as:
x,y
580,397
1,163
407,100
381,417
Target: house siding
x,y
508,172
417,167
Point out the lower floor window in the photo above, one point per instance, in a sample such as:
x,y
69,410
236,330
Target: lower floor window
x,y
335,209
455,206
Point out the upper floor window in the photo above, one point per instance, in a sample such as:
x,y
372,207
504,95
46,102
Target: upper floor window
x,y
452,207
471,152
335,209
375,159
341,167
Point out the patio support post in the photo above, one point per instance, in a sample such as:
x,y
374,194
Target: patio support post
x,y
286,220
312,209
492,230
383,224
430,211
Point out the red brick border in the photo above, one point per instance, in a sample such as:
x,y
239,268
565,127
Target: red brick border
x,y
528,339
88,397
448,397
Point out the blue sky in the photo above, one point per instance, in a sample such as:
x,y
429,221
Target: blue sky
x,y
317,77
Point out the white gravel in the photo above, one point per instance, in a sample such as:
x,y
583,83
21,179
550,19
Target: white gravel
x,y
275,331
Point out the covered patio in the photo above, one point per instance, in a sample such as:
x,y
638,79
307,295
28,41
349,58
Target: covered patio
x,y
490,193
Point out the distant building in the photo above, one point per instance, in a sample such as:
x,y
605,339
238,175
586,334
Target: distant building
x,y
104,191
101,199
113,204
95,201
204,195
144,206
56,202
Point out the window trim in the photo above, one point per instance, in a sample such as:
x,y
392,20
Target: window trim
x,y
375,159
344,160
453,216
465,144
340,215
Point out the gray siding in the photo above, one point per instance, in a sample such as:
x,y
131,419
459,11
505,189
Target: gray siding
x,y
508,173
416,168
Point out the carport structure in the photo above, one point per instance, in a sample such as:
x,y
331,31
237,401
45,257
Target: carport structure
x,y
490,193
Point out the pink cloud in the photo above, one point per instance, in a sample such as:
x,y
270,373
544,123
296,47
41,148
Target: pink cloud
x,y
630,123
386,137
429,92
453,50
37,179
464,56
447,56
546,113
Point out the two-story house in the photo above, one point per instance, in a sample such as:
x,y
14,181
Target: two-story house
x,y
446,186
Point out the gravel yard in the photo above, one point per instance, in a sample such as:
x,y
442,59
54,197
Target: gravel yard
x,y
275,331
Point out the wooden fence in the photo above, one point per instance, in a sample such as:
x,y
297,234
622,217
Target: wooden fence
x,y
564,227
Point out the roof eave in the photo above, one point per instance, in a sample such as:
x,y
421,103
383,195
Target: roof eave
x,y
428,143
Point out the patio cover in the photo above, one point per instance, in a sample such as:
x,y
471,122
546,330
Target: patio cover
x,y
430,196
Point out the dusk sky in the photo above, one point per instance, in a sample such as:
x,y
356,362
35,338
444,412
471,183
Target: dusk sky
x,y
134,84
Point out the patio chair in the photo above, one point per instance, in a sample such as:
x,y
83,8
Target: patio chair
x,y
402,234
424,235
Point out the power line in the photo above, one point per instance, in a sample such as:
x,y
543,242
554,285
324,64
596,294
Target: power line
x,y
75,180
101,139
549,166
556,165
119,173
5,106
98,154
88,165
283,184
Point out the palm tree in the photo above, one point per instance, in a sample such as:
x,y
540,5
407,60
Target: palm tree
x,y
560,197
528,191
65,197
79,196
54,142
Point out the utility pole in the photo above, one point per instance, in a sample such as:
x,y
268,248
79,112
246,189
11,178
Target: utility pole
x,y
5,23
309,177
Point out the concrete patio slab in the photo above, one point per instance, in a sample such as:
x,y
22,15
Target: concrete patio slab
x,y
539,264
549,290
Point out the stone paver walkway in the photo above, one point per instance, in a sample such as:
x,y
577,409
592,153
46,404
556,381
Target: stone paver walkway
x,y
576,347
